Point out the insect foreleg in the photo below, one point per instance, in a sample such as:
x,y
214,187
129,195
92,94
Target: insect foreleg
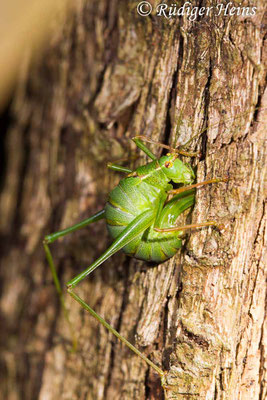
x,y
139,143
196,185
50,239
176,206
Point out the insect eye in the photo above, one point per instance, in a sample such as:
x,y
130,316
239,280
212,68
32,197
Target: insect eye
x,y
168,164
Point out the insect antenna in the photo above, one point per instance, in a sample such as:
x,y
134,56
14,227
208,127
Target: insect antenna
x,y
165,146
218,125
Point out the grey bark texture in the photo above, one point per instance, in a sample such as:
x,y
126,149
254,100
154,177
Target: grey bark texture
x,y
107,75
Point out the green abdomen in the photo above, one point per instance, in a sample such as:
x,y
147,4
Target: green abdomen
x,y
128,200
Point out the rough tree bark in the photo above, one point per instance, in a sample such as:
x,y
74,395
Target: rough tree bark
x,y
110,74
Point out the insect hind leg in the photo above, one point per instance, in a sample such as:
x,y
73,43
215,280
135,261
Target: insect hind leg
x,y
52,238
137,226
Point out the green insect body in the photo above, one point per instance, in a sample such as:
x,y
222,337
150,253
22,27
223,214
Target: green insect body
x,y
146,190
141,219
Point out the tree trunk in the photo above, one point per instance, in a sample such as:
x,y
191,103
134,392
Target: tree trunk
x,y
108,75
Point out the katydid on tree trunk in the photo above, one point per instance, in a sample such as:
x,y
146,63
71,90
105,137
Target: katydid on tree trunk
x,y
141,214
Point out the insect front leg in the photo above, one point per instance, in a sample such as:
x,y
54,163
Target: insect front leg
x,y
179,192
196,185
52,238
139,143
